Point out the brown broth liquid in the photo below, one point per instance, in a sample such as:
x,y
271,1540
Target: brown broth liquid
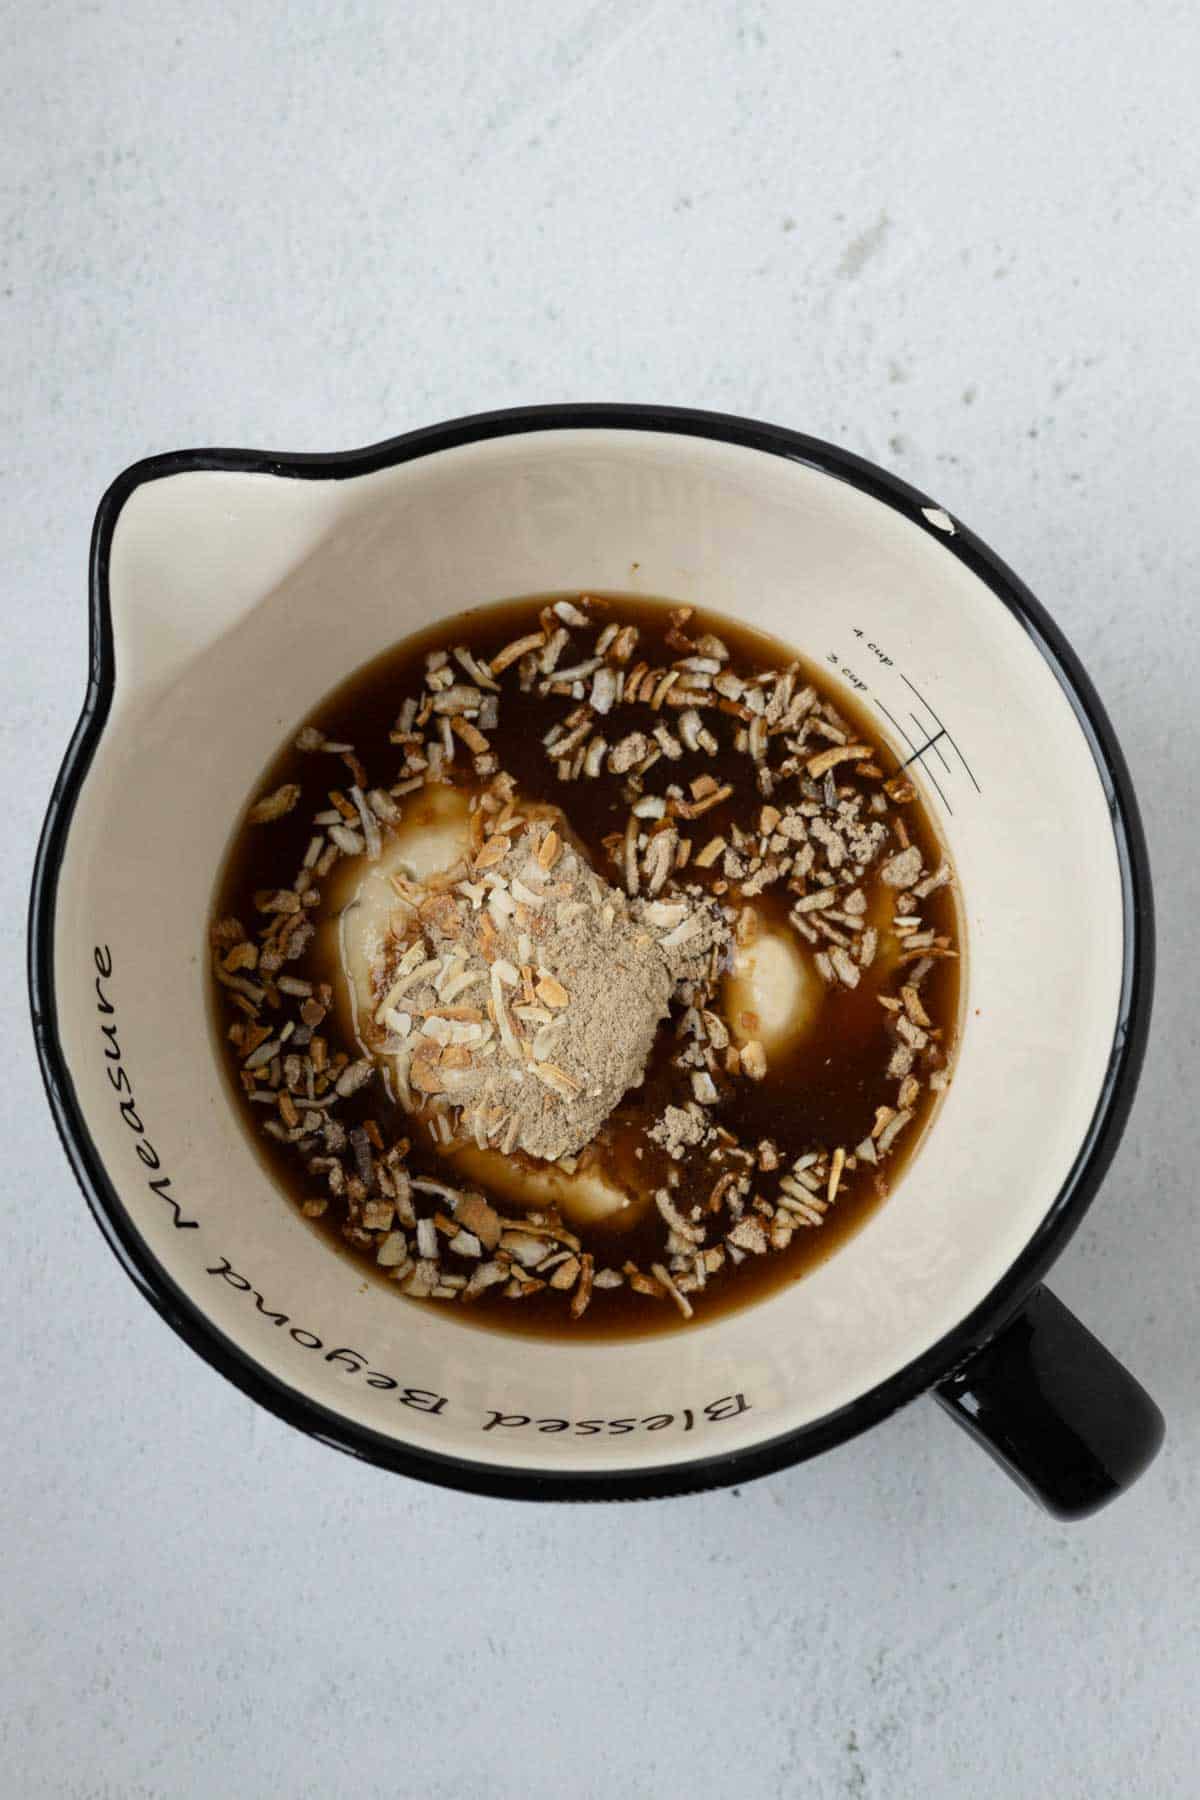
x,y
823,1090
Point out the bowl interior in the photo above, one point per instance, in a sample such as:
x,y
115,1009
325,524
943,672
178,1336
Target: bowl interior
x,y
239,599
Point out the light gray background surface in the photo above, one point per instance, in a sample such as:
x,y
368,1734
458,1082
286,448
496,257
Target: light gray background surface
x,y
962,241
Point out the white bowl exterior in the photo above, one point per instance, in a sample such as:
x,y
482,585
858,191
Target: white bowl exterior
x,y
238,600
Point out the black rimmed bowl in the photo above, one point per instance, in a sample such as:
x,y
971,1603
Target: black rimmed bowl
x,y
205,563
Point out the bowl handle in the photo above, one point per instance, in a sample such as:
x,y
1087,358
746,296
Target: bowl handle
x,y
1056,1410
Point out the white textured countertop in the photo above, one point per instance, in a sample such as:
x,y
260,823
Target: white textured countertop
x,y
963,242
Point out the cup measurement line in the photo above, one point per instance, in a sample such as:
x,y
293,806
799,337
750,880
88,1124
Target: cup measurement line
x,y
924,702
918,753
933,742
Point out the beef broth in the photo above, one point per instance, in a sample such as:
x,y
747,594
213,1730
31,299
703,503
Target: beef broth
x,y
806,1116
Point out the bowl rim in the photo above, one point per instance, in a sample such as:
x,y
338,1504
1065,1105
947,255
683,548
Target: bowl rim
x,y
706,1472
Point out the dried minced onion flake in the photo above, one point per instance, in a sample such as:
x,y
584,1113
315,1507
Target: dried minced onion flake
x,y
684,1228
347,840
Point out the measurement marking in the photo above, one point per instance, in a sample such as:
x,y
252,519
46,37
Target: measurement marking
x,y
962,759
929,744
899,727
916,754
933,742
